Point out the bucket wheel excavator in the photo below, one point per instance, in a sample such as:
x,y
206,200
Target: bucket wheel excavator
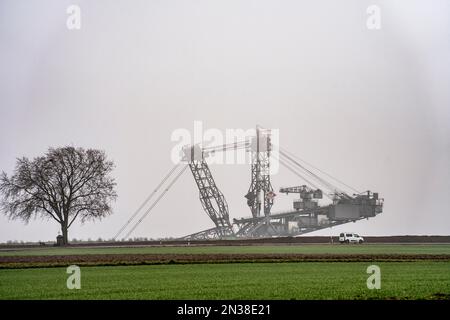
x,y
309,212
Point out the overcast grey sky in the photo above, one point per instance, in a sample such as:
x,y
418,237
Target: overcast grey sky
x,y
370,106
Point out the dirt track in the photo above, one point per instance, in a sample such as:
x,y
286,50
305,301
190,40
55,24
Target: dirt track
x,y
137,259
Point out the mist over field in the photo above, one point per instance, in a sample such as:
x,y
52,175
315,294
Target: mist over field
x,y
372,107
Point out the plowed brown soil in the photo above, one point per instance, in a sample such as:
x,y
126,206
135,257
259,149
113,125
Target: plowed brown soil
x,y
136,259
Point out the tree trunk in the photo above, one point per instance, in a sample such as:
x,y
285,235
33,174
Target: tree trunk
x,y
65,233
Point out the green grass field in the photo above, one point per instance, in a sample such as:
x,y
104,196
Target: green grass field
x,y
404,280
286,280
302,248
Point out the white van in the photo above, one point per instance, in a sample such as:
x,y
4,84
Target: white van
x,y
350,238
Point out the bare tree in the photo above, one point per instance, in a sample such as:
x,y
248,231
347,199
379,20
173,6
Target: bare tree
x,y
65,184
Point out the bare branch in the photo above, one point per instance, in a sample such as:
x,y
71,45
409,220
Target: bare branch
x,y
64,184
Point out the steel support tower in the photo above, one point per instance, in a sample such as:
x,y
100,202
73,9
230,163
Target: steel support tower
x,y
260,194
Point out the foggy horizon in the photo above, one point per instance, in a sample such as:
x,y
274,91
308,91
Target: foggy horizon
x,y
370,107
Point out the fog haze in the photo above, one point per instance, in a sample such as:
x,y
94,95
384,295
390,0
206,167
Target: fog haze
x,y
372,107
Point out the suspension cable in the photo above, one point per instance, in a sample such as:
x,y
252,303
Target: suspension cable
x,y
325,173
225,147
147,200
156,201
302,177
286,165
319,179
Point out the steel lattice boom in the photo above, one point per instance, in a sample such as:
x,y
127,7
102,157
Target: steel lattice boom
x,y
213,201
